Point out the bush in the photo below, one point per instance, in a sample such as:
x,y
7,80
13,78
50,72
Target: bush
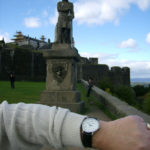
x,y
146,104
140,90
105,83
126,93
108,91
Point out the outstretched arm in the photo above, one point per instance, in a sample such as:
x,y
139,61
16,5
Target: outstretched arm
x,y
30,126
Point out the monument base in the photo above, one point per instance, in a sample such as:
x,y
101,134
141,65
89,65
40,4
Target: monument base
x,y
65,99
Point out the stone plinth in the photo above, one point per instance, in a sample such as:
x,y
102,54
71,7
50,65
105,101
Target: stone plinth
x,y
61,78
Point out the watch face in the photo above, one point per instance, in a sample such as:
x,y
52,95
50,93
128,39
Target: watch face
x,y
90,125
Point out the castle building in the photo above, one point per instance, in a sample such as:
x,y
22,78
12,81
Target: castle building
x,y
2,43
22,40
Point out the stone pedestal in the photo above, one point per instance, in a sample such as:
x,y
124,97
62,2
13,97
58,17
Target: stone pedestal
x,y
61,78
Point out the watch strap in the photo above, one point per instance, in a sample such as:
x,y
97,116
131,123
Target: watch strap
x,y
87,139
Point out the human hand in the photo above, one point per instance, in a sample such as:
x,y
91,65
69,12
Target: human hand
x,y
129,133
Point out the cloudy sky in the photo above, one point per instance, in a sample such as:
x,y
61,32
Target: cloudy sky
x,y
115,31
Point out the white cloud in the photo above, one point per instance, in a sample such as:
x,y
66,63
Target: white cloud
x,y
102,11
6,37
130,43
148,38
32,22
138,69
142,4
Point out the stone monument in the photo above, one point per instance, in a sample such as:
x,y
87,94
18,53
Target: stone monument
x,y
62,61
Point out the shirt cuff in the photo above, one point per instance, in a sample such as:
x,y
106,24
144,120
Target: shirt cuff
x,y
71,130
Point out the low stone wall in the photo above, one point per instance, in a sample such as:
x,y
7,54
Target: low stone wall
x,y
114,105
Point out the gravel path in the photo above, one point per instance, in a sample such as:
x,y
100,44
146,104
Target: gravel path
x,y
96,112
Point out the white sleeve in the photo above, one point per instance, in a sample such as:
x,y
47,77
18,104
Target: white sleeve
x,y
30,126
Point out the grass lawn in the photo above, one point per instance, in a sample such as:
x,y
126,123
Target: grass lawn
x,y
28,92
94,101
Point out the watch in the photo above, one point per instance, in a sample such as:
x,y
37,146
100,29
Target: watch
x,y
88,127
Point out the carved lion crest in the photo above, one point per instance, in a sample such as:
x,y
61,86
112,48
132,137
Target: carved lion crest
x,y
59,71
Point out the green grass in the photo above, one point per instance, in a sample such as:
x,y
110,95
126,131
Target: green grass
x,y
94,100
28,92
83,93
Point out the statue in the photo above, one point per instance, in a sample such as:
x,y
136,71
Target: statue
x,y
63,31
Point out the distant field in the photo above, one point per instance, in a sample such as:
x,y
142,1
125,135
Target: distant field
x,y
140,80
28,92
146,84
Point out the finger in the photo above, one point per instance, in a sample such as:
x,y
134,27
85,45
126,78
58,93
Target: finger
x,y
148,126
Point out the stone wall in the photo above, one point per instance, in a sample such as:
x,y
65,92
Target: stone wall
x,y
25,64
29,64
118,76
95,71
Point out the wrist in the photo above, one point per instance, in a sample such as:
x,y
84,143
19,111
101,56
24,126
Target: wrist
x,y
99,136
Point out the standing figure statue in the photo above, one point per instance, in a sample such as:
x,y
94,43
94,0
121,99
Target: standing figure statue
x,y
63,31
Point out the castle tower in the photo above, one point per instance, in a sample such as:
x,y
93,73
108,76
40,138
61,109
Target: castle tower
x,y
19,37
43,38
